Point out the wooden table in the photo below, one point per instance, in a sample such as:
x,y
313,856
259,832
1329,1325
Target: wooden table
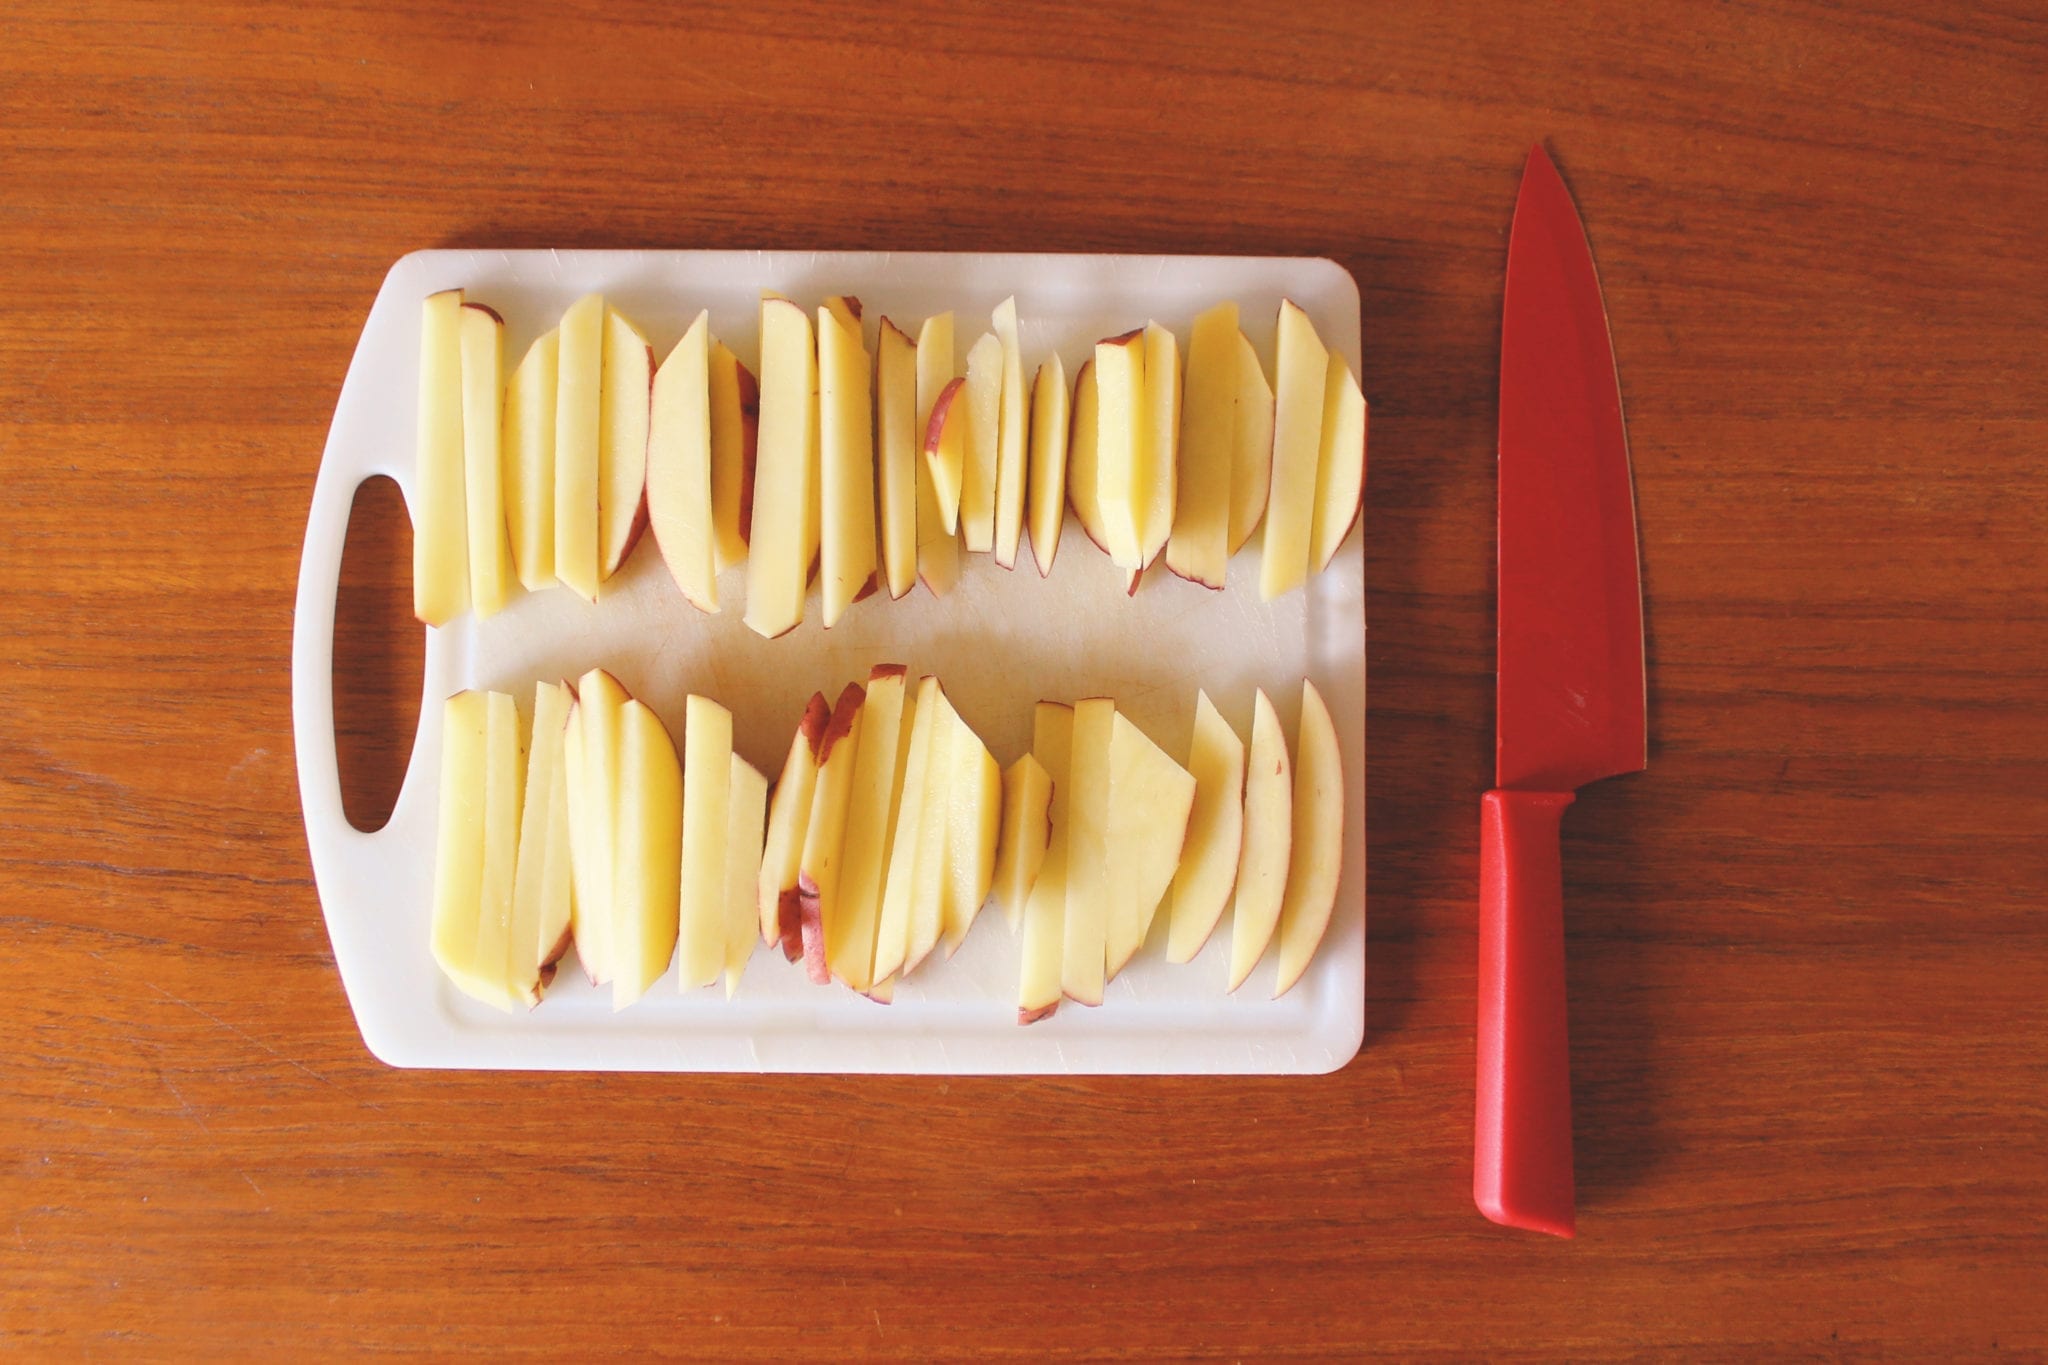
x,y
1809,952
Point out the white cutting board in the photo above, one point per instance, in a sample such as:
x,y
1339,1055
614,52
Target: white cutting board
x,y
1001,641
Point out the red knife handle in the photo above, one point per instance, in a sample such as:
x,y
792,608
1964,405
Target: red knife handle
x,y
1522,1141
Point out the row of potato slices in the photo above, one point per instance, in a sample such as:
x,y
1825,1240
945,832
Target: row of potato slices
x,y
589,830
873,470
889,828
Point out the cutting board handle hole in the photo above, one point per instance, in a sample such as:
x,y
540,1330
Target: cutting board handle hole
x,y
379,655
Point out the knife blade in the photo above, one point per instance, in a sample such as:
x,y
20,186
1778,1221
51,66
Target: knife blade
x,y
1570,706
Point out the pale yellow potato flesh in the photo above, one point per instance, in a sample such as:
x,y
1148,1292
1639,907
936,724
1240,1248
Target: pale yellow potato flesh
x,y
1317,863
579,392
1300,371
1268,842
783,537
440,541
679,507
1208,865
528,433
707,832
491,573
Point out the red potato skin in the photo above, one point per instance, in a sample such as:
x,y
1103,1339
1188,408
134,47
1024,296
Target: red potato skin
x,y
812,919
810,900
817,716
1025,1016
851,698
495,315
789,924
789,919
941,407
880,671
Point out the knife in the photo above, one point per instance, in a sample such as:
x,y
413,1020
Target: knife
x,y
1570,708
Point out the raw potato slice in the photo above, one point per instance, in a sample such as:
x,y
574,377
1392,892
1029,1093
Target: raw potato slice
x,y
735,422
1208,865
679,467
1251,460
529,481
1268,843
1301,371
789,816
1200,547
910,891
504,781
502,788
1087,930
1010,451
785,513
945,451
853,916
974,810
1048,491
459,849
898,445
1027,829
591,752
541,886
440,542
1045,910
1122,434
628,381
746,808
1150,797
1155,483
933,873
707,832
578,403
1317,862
491,575
938,552
1340,467
984,433
846,461
648,854
825,833
483,770
1081,462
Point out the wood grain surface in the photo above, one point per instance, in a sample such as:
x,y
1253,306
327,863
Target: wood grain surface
x,y
1809,946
